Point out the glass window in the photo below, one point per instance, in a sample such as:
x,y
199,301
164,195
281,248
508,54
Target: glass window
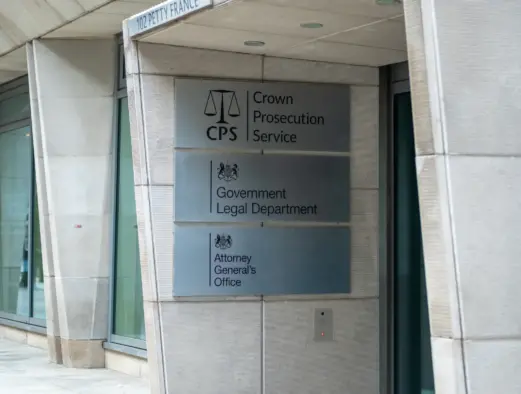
x,y
128,311
15,203
37,264
21,268
14,108
413,359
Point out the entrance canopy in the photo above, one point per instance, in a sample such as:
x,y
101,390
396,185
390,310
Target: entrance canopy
x,y
359,32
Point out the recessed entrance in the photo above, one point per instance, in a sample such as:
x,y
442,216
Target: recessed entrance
x,y
412,358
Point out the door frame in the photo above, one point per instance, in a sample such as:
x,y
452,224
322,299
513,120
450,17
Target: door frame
x,y
394,80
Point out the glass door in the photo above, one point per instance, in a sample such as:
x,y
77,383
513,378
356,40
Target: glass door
x,y
21,271
412,351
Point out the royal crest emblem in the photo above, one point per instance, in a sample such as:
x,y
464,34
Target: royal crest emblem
x,y
223,241
228,172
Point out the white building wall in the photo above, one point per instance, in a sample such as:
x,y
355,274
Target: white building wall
x,y
464,62
249,345
72,88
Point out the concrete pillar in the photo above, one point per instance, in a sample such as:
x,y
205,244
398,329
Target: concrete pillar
x,y
464,65
72,87
249,344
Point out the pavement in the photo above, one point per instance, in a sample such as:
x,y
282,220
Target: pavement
x,y
27,370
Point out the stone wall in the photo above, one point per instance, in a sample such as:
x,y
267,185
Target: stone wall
x,y
248,344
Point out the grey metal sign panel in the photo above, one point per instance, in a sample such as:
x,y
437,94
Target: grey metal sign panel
x,y
253,187
163,14
283,116
215,261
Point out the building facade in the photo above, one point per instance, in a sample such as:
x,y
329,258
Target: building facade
x,y
264,196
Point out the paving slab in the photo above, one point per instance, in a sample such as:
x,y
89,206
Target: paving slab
x,y
27,370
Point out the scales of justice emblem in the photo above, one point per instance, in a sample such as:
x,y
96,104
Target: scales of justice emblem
x,y
223,241
228,100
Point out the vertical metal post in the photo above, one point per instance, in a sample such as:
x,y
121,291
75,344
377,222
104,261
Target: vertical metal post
x,y
385,208
30,232
396,82
115,149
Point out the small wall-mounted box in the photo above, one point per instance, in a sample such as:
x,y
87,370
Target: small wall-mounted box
x,y
323,325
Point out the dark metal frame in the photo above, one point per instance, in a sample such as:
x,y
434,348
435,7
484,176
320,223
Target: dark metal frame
x,y
385,212
135,347
7,91
394,80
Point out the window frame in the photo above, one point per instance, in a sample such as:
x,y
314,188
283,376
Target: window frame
x,y
9,90
395,81
400,85
120,92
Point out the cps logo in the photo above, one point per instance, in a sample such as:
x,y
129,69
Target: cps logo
x,y
223,105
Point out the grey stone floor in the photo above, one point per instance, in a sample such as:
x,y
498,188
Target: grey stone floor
x,y
26,370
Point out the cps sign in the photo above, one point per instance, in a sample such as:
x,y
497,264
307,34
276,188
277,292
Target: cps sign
x,y
222,105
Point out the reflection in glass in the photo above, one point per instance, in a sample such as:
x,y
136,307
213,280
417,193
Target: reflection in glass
x,y
15,201
413,358
15,108
128,311
37,264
